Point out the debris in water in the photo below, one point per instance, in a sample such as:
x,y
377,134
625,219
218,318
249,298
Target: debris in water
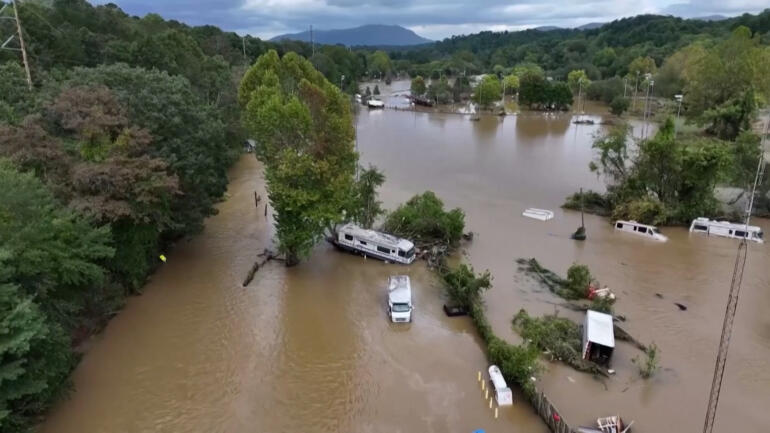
x,y
570,379
681,306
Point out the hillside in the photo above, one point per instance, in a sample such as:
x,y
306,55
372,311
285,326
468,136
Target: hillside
x,y
368,35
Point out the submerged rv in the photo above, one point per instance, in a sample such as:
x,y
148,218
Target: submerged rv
x,y
371,243
727,230
639,229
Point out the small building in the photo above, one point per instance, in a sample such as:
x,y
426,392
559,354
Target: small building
x,y
598,337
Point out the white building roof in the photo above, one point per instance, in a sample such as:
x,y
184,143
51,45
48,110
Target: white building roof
x,y
599,328
376,237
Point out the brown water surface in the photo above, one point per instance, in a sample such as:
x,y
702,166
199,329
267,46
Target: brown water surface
x,y
309,349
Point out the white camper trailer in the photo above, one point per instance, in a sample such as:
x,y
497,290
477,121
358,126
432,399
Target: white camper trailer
x,y
371,243
727,229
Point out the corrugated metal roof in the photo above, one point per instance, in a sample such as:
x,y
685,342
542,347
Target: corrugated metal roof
x,y
599,328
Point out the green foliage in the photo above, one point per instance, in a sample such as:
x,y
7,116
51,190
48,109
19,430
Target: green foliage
x,y
578,280
376,90
17,101
646,210
440,91
424,220
558,336
539,93
650,364
602,304
304,129
590,201
464,287
724,81
53,254
379,64
607,90
619,105
747,149
418,87
365,207
517,363
34,355
511,84
577,80
488,91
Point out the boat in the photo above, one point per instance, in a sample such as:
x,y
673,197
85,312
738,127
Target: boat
x,y
503,393
727,229
375,103
371,243
648,231
538,214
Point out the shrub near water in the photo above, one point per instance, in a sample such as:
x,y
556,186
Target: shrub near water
x,y
424,220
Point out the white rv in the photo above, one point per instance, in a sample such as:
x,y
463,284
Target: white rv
x,y
639,229
399,298
727,229
371,243
503,393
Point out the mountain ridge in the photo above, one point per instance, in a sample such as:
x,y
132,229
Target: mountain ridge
x,y
365,35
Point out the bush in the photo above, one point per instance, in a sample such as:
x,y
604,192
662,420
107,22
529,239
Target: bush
x,y
605,90
644,210
619,105
557,335
650,365
602,304
590,201
464,287
578,280
424,220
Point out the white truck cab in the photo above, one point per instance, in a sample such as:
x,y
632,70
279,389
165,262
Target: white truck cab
x,y
399,298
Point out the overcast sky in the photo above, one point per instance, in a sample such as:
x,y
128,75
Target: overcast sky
x,y
434,19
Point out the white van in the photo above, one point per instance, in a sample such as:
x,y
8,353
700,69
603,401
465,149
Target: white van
x,y
727,229
400,298
639,229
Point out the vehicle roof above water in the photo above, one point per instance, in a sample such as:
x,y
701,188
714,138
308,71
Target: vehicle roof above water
x,y
376,237
399,289
726,224
634,223
599,328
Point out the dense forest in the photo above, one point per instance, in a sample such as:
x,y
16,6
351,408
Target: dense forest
x,y
122,146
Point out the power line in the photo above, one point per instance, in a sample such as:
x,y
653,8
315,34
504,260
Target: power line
x,y
732,302
20,36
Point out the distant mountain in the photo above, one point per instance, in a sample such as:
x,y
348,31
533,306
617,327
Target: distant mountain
x,y
372,35
546,28
711,18
590,26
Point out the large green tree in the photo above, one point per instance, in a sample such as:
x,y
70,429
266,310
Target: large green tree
x,y
488,91
304,129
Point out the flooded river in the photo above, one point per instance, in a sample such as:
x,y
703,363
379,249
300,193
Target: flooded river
x,y
310,349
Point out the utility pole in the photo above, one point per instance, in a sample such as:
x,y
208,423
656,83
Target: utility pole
x,y
312,41
20,35
678,111
243,42
732,305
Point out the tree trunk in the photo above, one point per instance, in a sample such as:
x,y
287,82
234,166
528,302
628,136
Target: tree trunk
x,y
291,259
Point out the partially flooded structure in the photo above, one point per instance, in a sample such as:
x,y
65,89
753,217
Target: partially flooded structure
x,y
598,337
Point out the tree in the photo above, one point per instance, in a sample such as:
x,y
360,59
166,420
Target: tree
x,y
55,255
304,126
379,63
619,105
418,87
464,287
365,207
423,219
376,89
724,81
577,80
641,66
440,91
488,91
368,92
511,84
35,356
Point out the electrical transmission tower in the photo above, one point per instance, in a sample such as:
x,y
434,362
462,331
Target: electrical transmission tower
x,y
732,301
18,35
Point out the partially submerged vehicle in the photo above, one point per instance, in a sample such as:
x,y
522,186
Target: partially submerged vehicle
x,y
538,214
610,424
598,337
727,229
503,393
375,103
371,243
400,298
639,229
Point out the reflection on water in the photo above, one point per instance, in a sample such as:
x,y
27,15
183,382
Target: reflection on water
x,y
310,348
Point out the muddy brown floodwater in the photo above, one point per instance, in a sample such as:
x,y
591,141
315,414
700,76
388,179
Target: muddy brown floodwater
x,y
309,349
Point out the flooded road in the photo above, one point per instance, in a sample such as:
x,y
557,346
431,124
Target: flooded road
x,y
310,348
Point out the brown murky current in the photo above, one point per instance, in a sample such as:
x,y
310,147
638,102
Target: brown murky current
x,y
309,349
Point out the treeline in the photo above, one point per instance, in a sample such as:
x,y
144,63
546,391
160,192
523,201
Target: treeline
x,y
604,52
